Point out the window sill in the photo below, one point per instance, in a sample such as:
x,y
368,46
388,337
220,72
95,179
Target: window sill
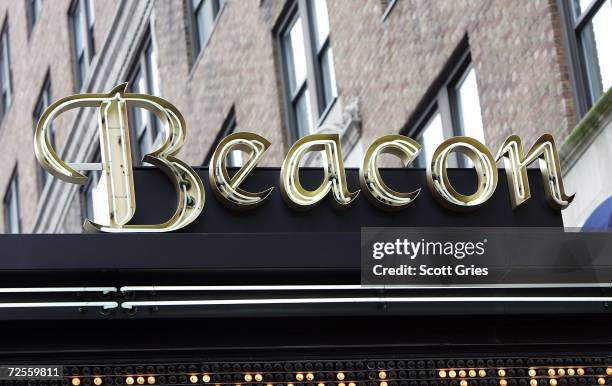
x,y
325,114
591,125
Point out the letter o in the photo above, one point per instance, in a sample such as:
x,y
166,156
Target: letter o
x,y
484,164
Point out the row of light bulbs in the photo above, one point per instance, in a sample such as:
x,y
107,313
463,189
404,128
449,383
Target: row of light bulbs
x,y
472,373
562,372
532,382
150,380
382,375
502,373
141,380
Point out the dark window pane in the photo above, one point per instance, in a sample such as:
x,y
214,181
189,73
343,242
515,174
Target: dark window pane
x,y
431,136
152,69
235,157
144,79
5,72
90,14
579,6
5,102
306,47
77,21
12,207
95,197
329,77
144,143
82,31
295,53
205,14
303,114
468,106
82,70
44,100
597,50
35,9
321,22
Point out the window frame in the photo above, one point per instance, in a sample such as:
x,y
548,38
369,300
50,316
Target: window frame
x,y
88,40
5,41
583,100
388,7
39,109
314,83
7,200
197,47
31,15
440,105
460,74
442,98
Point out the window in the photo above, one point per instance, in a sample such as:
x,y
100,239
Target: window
x,y
430,137
229,126
387,6
5,72
82,23
452,107
12,215
94,196
308,66
466,106
144,79
44,100
590,49
203,16
34,8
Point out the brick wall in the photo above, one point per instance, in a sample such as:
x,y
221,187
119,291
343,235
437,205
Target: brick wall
x,y
388,64
515,47
46,48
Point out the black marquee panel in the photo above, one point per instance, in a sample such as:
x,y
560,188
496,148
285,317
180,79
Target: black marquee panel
x,y
112,324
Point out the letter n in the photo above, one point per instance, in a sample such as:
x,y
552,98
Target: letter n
x,y
515,163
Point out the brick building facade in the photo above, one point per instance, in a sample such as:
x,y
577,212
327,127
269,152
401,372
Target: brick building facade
x,y
390,59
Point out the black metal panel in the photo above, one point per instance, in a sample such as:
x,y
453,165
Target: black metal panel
x,y
110,342
269,245
156,201
272,236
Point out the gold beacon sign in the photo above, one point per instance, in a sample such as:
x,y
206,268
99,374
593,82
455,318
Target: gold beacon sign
x,y
116,158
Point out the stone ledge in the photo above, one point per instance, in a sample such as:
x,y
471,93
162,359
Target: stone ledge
x,y
585,132
347,126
